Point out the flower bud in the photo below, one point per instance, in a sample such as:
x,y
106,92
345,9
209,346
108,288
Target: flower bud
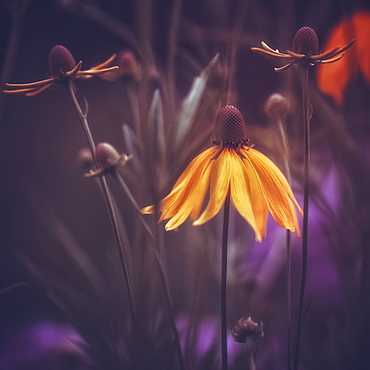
x,y
128,67
84,159
276,105
106,155
230,128
109,160
61,61
246,328
305,42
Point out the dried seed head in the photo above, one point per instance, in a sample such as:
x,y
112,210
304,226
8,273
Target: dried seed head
x,y
276,105
61,61
230,128
246,328
305,42
106,154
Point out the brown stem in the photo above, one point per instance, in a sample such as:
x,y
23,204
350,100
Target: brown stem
x,y
104,186
306,123
225,232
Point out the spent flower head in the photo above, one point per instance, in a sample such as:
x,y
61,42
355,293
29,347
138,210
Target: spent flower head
x,y
305,51
255,183
62,68
247,328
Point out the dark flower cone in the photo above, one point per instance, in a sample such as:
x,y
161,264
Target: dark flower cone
x,y
61,61
305,42
230,128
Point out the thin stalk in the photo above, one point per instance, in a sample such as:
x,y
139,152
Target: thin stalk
x,y
306,123
162,273
288,270
225,233
172,46
251,363
18,12
288,300
104,186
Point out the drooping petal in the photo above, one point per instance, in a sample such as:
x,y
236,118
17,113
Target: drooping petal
x,y
181,183
183,206
241,196
185,203
192,175
202,191
332,80
276,190
188,192
259,205
197,161
31,84
219,186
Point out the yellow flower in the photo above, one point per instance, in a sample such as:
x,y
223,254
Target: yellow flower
x,y
255,183
305,50
62,68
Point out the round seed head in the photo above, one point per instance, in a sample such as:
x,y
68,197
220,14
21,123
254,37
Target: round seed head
x,y
106,154
230,127
61,61
276,105
305,42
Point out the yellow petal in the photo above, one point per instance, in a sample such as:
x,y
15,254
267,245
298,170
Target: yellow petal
x,y
182,207
149,210
219,186
192,176
197,161
202,190
276,190
170,204
245,192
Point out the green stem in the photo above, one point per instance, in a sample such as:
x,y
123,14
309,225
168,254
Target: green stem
x,y
104,186
225,232
306,122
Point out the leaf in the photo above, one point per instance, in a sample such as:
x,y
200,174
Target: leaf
x,y
156,126
133,145
191,103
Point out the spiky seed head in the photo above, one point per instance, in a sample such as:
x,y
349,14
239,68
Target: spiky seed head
x,y
276,105
305,42
106,154
230,128
61,61
247,328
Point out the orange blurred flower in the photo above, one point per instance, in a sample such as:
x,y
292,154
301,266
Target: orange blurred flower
x,y
332,81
